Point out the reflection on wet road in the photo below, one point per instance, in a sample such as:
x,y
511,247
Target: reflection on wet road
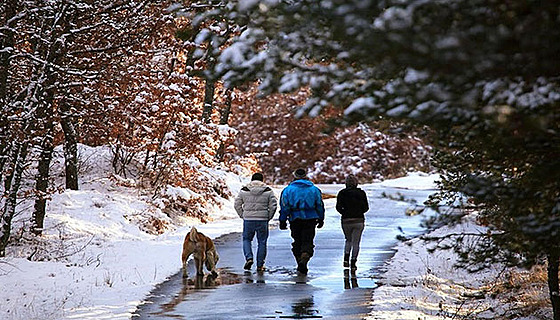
x,y
327,292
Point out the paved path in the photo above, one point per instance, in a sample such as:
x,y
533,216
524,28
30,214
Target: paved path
x,y
327,292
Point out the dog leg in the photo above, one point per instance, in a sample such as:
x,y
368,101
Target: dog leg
x,y
184,258
211,261
199,263
185,266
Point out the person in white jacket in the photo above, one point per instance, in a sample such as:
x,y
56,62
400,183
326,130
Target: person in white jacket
x,y
256,204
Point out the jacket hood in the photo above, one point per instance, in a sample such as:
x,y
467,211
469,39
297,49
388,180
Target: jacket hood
x,y
302,183
256,187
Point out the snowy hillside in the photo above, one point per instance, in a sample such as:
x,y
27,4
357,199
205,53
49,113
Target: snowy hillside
x,y
100,253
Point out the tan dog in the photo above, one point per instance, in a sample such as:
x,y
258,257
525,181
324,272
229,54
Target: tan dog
x,y
203,250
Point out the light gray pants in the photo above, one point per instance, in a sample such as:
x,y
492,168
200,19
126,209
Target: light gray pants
x,y
352,229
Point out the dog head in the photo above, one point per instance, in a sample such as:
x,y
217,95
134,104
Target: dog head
x,y
193,235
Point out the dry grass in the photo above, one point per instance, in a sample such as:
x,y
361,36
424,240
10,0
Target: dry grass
x,y
522,293
328,196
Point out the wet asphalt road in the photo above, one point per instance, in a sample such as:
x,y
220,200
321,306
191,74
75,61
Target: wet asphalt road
x,y
327,292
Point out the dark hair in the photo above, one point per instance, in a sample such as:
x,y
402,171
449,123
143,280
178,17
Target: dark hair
x,y
300,174
257,176
351,181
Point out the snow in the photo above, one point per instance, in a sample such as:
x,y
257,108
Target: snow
x,y
394,18
360,103
245,5
413,181
397,111
413,75
422,285
107,264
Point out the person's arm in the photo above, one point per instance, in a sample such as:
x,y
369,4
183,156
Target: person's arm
x,y
340,203
284,207
320,206
284,211
365,201
272,205
238,205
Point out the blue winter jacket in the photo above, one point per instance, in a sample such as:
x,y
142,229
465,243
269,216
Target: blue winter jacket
x,y
301,199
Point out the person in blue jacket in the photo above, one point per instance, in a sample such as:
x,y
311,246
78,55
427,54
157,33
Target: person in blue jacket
x,y
302,205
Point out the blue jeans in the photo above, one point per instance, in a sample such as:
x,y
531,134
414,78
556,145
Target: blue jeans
x,y
250,227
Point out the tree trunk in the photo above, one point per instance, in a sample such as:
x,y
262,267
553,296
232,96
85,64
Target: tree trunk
x,y
224,118
45,110
7,41
42,183
553,284
9,209
208,100
4,151
70,148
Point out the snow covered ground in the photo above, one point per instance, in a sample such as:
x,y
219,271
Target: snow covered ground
x,y
422,285
419,285
105,265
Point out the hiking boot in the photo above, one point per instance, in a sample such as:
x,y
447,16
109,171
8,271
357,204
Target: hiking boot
x,y
302,263
248,264
345,263
261,269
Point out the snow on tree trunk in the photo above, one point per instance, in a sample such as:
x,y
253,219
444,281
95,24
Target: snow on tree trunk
x,y
224,118
208,100
70,148
42,183
13,182
7,44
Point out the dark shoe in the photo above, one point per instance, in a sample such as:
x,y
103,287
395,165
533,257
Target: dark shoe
x,y
346,264
248,264
302,263
353,264
261,269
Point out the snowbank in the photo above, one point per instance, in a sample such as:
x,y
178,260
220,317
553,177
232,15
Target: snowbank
x,y
418,285
105,261
413,181
112,264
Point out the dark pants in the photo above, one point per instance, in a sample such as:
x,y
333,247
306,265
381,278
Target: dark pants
x,y
303,233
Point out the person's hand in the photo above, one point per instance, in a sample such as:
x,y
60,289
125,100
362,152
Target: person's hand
x,y
320,223
283,225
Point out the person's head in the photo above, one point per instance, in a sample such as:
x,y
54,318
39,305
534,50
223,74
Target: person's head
x,y
257,176
351,181
300,174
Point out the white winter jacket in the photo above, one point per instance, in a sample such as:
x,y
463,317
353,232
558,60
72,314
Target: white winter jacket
x,y
256,201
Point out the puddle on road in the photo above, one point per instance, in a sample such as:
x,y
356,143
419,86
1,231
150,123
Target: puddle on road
x,y
193,284
347,280
309,295
303,309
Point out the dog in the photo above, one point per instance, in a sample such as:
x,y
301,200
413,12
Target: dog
x,y
203,250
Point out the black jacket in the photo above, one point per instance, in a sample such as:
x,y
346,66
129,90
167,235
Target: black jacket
x,y
352,203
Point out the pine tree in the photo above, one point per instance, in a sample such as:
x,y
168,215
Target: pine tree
x,y
482,73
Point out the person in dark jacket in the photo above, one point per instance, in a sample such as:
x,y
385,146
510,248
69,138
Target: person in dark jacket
x,y
256,204
301,203
352,203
